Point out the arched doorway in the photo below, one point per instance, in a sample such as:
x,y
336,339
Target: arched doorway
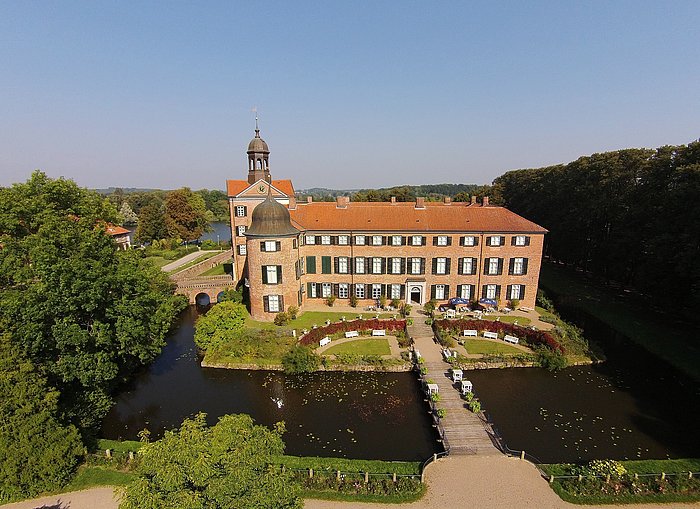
x,y
202,299
415,295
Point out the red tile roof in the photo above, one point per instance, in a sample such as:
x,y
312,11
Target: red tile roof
x,y
403,216
236,187
113,229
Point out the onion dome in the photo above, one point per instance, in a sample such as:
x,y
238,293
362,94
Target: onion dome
x,y
271,219
257,144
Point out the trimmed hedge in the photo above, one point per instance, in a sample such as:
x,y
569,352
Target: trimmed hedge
x,y
529,336
315,335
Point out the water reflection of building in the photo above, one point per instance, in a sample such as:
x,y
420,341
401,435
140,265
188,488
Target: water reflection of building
x,y
293,252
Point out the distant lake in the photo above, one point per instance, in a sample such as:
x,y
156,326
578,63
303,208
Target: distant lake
x,y
221,231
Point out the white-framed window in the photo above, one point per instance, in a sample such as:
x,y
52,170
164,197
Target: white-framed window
x,y
359,265
376,240
242,249
495,240
515,292
240,211
270,245
440,292
467,265
325,290
395,291
240,229
326,240
376,291
416,240
271,272
312,291
469,241
493,266
490,291
360,291
518,265
396,266
415,265
396,240
376,265
466,292
342,265
273,303
343,292
441,266
442,240
310,240
359,240
519,241
343,240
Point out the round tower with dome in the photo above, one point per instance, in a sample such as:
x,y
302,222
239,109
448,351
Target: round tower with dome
x,y
272,260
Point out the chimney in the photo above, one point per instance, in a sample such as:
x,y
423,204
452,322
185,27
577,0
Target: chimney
x,y
309,199
485,201
420,202
341,202
393,199
448,200
473,199
292,203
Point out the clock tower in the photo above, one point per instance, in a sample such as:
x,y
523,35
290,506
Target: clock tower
x,y
258,158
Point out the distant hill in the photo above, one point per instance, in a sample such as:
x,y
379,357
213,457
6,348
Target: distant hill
x,y
402,193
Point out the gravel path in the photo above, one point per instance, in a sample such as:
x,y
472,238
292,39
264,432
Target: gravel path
x,y
185,259
94,498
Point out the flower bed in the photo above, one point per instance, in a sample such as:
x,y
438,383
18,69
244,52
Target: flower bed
x,y
529,336
312,337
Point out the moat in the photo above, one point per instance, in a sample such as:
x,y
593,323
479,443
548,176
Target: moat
x,y
632,406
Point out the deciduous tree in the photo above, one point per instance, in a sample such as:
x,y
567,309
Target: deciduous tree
x,y
228,465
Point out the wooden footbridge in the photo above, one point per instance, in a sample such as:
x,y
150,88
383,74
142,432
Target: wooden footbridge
x,y
463,431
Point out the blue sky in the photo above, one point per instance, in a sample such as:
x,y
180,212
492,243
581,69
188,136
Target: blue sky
x,y
350,94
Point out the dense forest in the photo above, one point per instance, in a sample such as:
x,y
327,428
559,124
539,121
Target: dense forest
x,y
432,192
629,216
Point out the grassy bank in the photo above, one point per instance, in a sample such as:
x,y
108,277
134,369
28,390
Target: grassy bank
x,y
646,487
662,335
191,263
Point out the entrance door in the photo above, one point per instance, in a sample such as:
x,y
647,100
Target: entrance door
x,y
415,295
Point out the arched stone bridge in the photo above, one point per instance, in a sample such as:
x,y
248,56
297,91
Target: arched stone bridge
x,y
210,286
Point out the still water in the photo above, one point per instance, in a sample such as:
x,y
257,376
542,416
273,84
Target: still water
x,y
220,232
353,415
631,407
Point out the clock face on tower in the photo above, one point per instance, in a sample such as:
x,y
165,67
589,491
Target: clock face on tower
x,y
261,189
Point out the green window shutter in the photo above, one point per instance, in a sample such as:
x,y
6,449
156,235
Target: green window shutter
x,y
525,266
311,265
527,240
308,290
459,290
500,266
522,292
422,265
281,301
447,292
336,265
435,241
512,243
264,275
434,265
509,288
279,274
325,264
449,240
511,268
460,265
476,241
402,295
424,240
245,210
262,246
432,292
498,291
278,245
483,292
448,264
266,304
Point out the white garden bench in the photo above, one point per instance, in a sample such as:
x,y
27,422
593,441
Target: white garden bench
x,y
378,332
491,335
466,386
325,341
510,339
456,375
352,334
470,332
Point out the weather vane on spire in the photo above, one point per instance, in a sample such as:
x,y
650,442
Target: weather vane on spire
x,y
254,109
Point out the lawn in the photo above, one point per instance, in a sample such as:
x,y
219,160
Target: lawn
x,y
205,256
216,270
263,347
632,319
369,346
89,476
522,320
488,346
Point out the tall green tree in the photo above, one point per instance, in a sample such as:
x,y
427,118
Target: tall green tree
x,y
228,465
127,215
85,314
185,214
37,452
151,222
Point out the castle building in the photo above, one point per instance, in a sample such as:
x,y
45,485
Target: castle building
x,y
291,253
